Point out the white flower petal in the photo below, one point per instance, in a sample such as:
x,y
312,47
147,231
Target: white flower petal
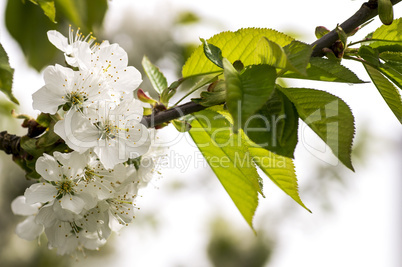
x,y
89,200
28,229
126,80
42,193
105,189
114,224
69,245
129,111
77,131
20,207
123,212
46,216
136,141
92,243
72,203
64,215
58,233
94,220
49,168
146,170
59,79
71,60
46,100
112,55
73,163
109,154
81,52
58,40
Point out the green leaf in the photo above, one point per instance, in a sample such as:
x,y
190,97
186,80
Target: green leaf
x,y
227,155
390,37
156,77
280,170
248,91
6,75
95,11
213,53
294,56
392,71
387,90
392,57
44,119
274,126
320,31
29,145
49,138
181,126
391,32
321,69
298,54
369,54
87,14
328,116
71,10
240,45
215,95
28,26
392,68
170,92
47,7
268,52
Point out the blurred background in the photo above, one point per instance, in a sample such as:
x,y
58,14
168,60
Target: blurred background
x,y
186,218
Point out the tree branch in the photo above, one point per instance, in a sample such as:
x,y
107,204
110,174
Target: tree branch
x,y
170,114
11,143
367,11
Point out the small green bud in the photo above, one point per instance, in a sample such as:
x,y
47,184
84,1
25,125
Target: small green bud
x,y
385,11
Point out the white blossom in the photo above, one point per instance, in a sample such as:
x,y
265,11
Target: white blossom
x,y
77,48
72,89
28,229
112,62
61,182
84,195
115,133
109,61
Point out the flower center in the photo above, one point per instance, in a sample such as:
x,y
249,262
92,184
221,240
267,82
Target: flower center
x,y
108,131
66,186
76,99
91,174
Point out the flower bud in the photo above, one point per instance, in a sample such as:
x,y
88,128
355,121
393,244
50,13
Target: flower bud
x,y
144,97
320,31
385,11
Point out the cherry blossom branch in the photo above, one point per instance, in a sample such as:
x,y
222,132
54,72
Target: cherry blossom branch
x,y
11,143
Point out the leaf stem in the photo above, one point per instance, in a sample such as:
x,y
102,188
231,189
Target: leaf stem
x,y
373,40
186,95
361,61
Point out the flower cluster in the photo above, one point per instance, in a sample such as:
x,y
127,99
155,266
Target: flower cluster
x,y
86,194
